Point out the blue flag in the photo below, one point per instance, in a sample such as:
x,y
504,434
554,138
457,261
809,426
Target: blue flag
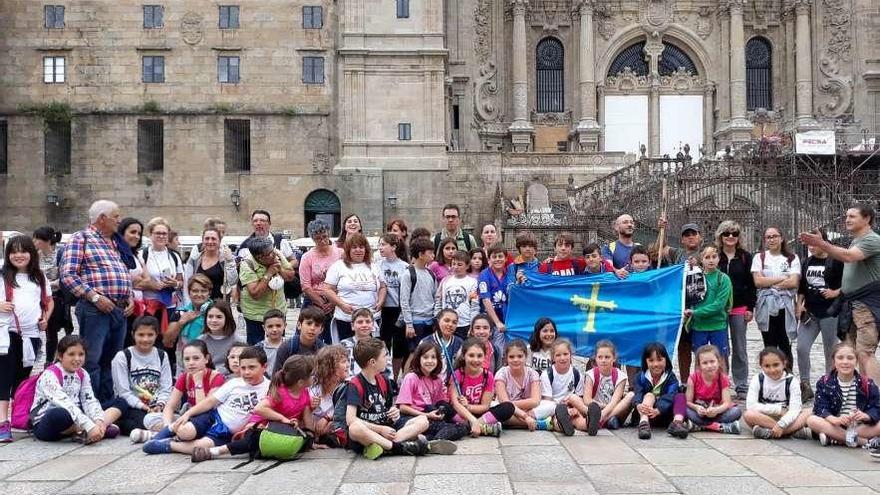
x,y
646,307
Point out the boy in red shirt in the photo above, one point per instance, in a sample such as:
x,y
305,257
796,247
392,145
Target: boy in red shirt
x,y
563,264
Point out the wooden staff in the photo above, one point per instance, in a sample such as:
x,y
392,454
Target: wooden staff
x,y
661,236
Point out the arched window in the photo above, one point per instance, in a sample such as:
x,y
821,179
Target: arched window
x,y
550,65
324,205
759,82
633,57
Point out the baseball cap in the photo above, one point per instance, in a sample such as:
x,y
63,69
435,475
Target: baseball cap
x,y
690,226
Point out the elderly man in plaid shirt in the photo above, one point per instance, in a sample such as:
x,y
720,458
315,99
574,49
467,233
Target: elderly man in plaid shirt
x,y
95,268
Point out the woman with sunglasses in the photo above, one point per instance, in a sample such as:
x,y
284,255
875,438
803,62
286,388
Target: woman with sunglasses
x,y
736,262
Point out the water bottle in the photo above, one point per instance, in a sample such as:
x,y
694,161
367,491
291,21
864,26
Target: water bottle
x,y
852,437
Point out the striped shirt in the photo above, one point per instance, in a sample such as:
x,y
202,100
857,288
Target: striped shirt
x,y
848,394
91,264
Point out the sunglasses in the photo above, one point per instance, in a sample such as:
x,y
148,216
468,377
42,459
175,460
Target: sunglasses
x,y
730,234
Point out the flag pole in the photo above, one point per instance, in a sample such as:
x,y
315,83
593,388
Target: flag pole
x,y
661,236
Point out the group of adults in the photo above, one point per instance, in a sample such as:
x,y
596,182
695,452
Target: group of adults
x,y
108,276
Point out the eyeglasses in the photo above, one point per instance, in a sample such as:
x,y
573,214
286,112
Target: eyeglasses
x,y
450,217
730,234
772,236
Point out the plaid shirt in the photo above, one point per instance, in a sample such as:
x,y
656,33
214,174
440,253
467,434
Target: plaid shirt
x,y
91,264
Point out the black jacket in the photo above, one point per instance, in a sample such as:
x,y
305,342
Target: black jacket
x,y
739,269
869,295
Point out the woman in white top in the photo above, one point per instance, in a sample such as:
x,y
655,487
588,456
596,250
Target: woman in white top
x,y
776,272
163,274
353,283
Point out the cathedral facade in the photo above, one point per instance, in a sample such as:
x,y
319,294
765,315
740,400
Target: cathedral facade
x,y
385,108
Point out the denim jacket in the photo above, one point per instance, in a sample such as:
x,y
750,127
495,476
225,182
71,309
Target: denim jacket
x,y
829,398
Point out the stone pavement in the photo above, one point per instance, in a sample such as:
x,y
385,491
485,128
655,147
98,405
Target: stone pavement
x,y
519,462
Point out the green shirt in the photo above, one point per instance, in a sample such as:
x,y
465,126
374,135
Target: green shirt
x,y
254,309
711,313
860,273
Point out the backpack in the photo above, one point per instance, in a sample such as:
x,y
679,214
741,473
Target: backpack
x,y
380,382
577,376
761,389
127,352
145,254
23,399
279,441
614,375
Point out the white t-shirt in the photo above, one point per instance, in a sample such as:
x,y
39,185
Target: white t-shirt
x,y
563,384
238,400
357,285
776,265
459,295
26,298
160,264
325,407
391,272
517,390
605,391
540,360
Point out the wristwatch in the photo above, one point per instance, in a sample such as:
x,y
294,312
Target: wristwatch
x,y
94,299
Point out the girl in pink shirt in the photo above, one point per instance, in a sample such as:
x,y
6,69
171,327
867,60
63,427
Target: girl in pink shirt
x,y
520,385
443,266
473,390
710,406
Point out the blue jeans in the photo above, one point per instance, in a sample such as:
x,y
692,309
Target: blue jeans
x,y
104,334
728,416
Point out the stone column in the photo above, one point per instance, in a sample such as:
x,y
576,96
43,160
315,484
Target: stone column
x,y
600,95
587,129
708,118
737,68
520,129
804,66
654,120
790,65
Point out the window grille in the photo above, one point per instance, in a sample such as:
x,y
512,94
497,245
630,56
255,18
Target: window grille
x,y
56,148
550,64
759,77
237,145
150,146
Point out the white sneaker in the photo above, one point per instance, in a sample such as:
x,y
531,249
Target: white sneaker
x,y
138,435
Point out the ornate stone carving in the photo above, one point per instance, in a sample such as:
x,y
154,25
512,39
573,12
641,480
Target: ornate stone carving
x,y
655,15
191,30
704,22
561,119
605,21
321,163
520,95
736,6
626,81
803,7
681,81
486,86
483,30
835,85
550,14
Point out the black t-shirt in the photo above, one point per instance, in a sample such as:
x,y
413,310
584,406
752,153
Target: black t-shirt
x,y
216,275
373,406
818,274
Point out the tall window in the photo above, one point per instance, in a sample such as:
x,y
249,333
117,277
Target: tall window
x,y
404,131
53,69
228,69
154,69
56,148
4,140
229,17
154,16
313,17
237,145
550,64
313,70
402,9
53,16
150,146
759,82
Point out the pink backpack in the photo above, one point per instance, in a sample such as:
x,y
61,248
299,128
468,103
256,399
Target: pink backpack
x,y
23,399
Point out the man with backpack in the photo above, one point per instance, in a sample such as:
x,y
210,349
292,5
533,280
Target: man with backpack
x,y
452,218
262,276
261,221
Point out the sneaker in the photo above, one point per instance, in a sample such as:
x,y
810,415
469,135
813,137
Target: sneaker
x,y
157,447
201,454
613,423
5,432
678,429
692,427
563,420
112,431
761,432
441,447
594,414
742,395
733,428
373,451
804,433
644,430
873,447
417,447
806,391
139,435
491,430
825,441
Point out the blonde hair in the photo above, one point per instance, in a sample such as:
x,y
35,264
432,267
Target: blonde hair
x,y
728,226
708,249
155,222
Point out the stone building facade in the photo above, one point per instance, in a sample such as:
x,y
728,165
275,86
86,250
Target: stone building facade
x,y
196,108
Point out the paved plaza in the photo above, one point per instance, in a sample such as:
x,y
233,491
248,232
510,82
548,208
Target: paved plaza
x,y
519,462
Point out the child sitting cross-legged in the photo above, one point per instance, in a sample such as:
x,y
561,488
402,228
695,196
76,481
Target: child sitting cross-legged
x,y
64,403
331,370
606,386
520,385
710,406
562,405
773,405
541,344
374,425
473,390
288,402
213,421
197,381
657,397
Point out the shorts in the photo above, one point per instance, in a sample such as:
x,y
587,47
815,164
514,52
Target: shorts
x,y
718,338
209,425
867,336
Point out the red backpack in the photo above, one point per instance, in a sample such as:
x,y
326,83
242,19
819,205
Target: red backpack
x,y
23,399
614,374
